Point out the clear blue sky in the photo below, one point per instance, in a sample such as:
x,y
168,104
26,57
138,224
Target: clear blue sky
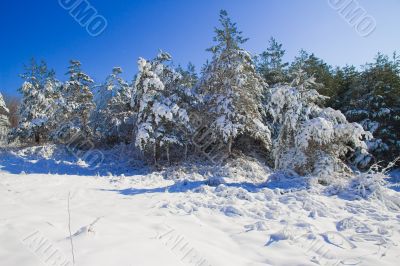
x,y
42,29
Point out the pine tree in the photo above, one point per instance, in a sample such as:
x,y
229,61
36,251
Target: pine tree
x,y
3,107
38,104
271,66
309,139
77,105
187,98
317,68
114,115
160,118
13,104
189,75
232,90
4,122
345,79
373,100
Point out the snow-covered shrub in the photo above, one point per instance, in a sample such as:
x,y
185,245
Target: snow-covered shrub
x,y
310,139
374,184
245,167
370,185
161,120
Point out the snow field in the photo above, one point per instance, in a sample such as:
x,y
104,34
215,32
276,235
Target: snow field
x,y
173,217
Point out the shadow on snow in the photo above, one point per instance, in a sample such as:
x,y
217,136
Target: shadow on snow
x,y
64,163
185,186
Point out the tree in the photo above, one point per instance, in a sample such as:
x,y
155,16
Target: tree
x,y
373,100
270,64
228,37
76,105
309,139
4,122
317,68
3,107
345,79
232,90
189,75
13,104
38,103
160,118
114,114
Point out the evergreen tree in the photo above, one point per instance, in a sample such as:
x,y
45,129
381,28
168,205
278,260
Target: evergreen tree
x,y
4,122
232,90
3,107
39,93
76,105
271,66
113,119
373,100
13,104
160,118
228,37
189,75
345,79
317,68
309,139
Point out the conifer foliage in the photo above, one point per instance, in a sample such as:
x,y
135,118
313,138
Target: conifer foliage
x,y
373,100
271,64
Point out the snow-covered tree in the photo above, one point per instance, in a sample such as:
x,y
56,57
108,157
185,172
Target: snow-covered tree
x,y
316,67
39,92
232,90
76,105
189,76
3,107
13,103
160,119
270,64
4,122
373,100
113,118
309,139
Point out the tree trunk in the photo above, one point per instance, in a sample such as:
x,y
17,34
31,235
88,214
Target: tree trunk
x,y
169,163
186,151
37,138
155,153
230,146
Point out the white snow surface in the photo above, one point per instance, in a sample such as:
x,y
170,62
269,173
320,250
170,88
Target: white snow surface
x,y
122,213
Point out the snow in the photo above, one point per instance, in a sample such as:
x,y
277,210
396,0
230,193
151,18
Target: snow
x,y
3,107
123,213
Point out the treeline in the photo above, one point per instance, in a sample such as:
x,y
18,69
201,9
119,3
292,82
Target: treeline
x,y
283,112
369,96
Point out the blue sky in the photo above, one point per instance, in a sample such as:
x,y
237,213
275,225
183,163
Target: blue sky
x,y
44,30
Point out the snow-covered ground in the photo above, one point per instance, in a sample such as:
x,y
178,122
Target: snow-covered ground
x,y
126,214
